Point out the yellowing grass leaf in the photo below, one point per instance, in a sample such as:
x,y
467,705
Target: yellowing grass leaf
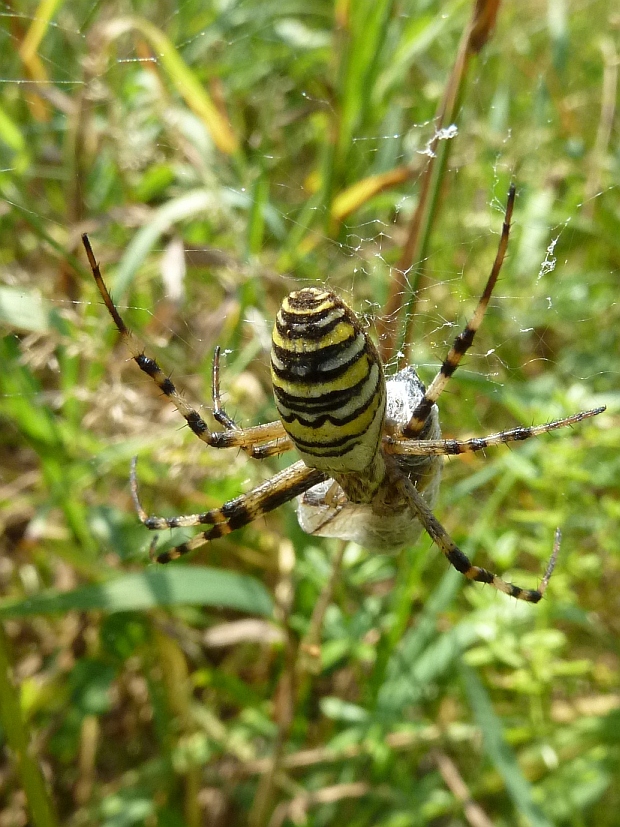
x,y
355,196
185,81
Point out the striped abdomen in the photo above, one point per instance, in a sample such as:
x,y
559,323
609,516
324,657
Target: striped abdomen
x,y
329,388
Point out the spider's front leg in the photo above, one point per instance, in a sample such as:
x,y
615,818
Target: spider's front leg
x,y
465,339
459,559
401,446
259,441
234,514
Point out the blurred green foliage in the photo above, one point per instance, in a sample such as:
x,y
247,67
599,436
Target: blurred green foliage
x,y
218,154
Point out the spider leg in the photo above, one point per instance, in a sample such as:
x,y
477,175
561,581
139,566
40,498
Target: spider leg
x,y
246,439
465,339
275,446
234,514
459,559
424,447
219,414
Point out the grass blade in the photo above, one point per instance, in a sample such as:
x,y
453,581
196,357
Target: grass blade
x,y
498,750
17,738
157,587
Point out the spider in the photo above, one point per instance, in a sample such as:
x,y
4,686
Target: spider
x,y
370,447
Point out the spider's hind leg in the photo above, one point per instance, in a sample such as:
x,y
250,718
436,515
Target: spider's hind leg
x,y
462,563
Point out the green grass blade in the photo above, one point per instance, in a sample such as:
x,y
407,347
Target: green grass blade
x,y
186,206
498,750
175,586
17,738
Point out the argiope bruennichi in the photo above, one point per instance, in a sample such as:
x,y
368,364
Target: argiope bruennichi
x,y
370,447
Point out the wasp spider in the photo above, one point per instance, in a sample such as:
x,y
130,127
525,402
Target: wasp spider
x,y
370,447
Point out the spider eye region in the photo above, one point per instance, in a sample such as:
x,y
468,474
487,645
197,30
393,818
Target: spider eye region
x,y
329,385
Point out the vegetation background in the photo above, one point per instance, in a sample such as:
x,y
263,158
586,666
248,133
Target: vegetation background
x,y
219,153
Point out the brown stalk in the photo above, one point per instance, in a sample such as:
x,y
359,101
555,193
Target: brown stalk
x,y
453,780
476,34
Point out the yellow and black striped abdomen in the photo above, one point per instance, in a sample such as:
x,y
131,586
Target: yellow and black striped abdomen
x,y
328,384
